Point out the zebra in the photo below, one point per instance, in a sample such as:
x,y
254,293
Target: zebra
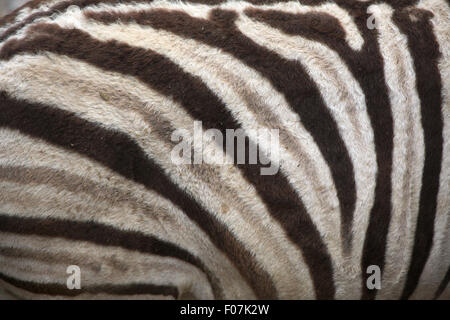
x,y
91,92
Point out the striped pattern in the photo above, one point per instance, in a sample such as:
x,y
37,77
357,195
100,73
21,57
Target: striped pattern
x,y
92,90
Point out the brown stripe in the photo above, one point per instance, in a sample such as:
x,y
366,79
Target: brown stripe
x,y
425,53
303,96
287,76
168,79
378,103
103,235
443,285
367,67
424,49
266,118
338,159
62,290
350,4
121,154
62,7
58,8
11,16
162,129
121,263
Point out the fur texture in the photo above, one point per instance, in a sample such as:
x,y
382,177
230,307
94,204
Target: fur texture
x,y
91,91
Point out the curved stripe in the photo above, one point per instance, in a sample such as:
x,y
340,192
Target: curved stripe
x,y
220,235
191,93
182,24
439,259
346,109
345,100
366,66
186,54
23,18
408,152
443,285
192,97
349,233
134,105
94,262
386,217
19,18
62,290
153,214
20,13
118,152
300,92
424,49
49,10
343,97
34,257
98,234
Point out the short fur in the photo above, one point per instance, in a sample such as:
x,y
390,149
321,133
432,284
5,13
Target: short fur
x,y
363,114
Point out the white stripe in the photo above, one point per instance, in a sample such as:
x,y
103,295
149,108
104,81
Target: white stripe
x,y
25,13
408,151
101,265
353,36
128,121
178,228
359,141
439,259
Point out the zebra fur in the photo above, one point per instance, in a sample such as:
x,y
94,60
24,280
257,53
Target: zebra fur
x,y
92,90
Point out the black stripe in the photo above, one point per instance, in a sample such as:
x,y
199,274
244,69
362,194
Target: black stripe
x,y
62,290
199,101
367,68
443,285
58,8
280,197
287,76
102,235
349,4
168,78
305,99
120,153
9,18
424,49
338,159
62,7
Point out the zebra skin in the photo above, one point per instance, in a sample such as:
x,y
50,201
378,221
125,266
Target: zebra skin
x,y
91,92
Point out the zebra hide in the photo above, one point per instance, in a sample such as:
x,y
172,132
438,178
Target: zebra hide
x,y
345,106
